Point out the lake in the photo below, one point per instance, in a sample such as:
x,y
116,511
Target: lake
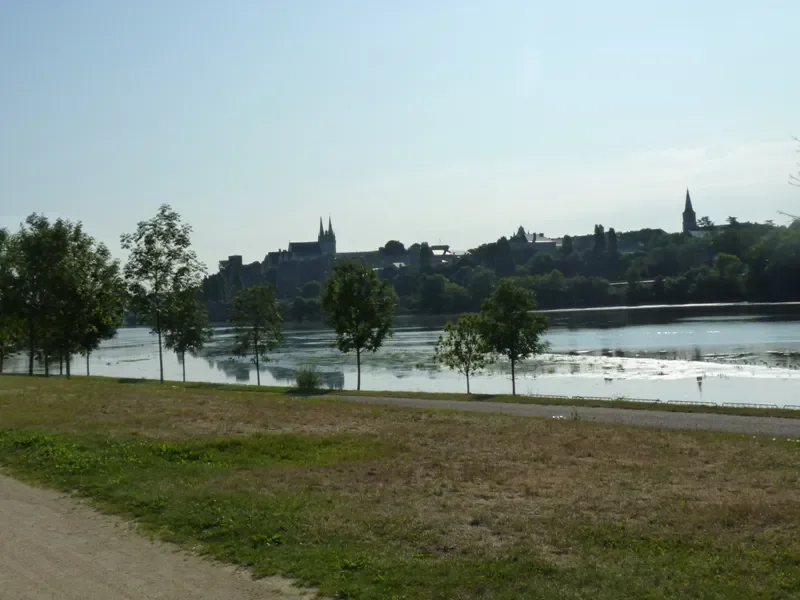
x,y
721,354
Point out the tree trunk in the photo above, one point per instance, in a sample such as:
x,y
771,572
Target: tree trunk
x,y
46,365
2,357
60,363
160,356
87,363
467,383
183,361
358,367
68,360
513,380
258,374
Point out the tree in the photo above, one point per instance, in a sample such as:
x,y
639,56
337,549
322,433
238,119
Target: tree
x,y
432,293
393,248
705,223
11,330
733,221
612,248
186,327
599,240
102,296
39,251
161,264
462,347
360,308
425,257
510,327
258,324
504,264
90,291
481,285
566,245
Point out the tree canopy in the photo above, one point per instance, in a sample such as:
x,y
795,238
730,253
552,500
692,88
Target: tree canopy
x,y
360,308
161,264
510,327
462,347
186,327
258,324
59,289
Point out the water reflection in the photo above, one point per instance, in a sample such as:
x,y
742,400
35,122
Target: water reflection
x,y
653,354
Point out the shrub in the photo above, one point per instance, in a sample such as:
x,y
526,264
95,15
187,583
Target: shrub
x,y
308,379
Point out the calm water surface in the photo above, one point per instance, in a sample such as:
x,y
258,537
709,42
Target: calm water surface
x,y
721,354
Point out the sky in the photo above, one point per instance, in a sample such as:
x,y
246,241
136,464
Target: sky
x,y
447,121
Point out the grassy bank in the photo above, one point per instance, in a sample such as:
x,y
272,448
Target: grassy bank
x,y
379,503
786,413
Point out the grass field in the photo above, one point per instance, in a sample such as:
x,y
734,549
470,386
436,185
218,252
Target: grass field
x,y
631,404
380,502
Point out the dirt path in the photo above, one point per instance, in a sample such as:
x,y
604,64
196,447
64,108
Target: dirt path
x,y
52,548
771,426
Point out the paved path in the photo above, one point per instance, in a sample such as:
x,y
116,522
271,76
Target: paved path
x,y
52,548
771,426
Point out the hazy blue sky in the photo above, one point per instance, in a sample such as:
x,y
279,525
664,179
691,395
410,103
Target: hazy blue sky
x,y
417,120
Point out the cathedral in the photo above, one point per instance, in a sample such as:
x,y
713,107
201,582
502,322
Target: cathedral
x,y
304,251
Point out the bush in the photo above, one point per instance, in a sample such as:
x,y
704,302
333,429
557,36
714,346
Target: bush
x,y
308,379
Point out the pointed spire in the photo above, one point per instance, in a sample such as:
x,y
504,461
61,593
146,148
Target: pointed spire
x,y
688,202
330,226
321,231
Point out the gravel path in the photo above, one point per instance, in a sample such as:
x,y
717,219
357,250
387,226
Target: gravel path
x,y
53,548
771,426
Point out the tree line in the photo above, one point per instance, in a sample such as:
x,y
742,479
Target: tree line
x,y
62,294
734,262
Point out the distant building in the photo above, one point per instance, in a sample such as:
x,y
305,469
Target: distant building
x,y
538,240
689,216
690,226
304,251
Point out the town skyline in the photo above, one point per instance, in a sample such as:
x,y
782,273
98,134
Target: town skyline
x,y
410,121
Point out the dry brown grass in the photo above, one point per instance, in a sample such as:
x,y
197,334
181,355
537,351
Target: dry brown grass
x,y
468,483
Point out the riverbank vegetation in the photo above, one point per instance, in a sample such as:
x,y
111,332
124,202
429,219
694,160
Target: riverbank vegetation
x,y
729,262
376,502
61,293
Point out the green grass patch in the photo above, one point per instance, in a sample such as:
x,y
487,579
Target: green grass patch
x,y
376,502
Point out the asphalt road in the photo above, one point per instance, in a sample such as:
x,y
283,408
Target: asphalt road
x,y
769,426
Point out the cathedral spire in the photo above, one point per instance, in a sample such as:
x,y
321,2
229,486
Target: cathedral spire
x,y
330,226
321,230
688,208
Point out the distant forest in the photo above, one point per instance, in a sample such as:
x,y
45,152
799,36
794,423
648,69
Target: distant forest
x,y
738,261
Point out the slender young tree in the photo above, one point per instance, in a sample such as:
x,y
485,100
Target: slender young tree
x,y
360,308
462,347
161,263
104,301
510,326
258,324
186,327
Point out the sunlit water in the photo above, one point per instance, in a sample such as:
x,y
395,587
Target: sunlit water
x,y
681,354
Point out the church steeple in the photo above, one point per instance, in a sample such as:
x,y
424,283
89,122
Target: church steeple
x,y
689,216
321,230
330,226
